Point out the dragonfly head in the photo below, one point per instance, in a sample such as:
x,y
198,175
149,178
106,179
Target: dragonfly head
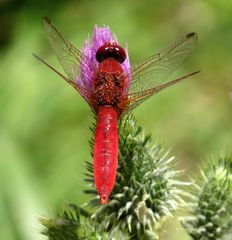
x,y
111,50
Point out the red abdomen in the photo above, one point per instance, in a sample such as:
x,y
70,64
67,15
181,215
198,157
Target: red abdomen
x,y
105,151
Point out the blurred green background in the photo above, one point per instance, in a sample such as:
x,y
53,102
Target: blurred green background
x,y
44,123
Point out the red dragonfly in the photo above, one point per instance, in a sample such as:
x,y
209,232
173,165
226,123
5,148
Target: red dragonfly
x,y
101,73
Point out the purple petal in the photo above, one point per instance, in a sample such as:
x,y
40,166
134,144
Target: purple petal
x,y
89,64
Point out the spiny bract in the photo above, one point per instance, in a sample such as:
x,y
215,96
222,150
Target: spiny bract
x,y
210,207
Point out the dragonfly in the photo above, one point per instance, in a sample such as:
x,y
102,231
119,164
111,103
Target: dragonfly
x,y
102,75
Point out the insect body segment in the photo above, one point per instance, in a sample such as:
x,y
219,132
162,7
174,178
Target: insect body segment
x,y
109,85
105,151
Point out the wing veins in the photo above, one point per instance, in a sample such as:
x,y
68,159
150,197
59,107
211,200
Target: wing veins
x,y
63,48
159,57
83,91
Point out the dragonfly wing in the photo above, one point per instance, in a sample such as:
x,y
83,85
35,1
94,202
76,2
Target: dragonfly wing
x,y
137,98
69,56
151,75
85,93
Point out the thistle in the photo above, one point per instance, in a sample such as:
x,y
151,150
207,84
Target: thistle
x,y
210,208
74,223
146,190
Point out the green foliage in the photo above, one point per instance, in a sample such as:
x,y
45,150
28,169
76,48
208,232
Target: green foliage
x,y
64,225
210,208
74,223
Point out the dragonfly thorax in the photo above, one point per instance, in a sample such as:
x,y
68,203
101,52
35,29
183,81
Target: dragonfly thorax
x,y
109,84
111,50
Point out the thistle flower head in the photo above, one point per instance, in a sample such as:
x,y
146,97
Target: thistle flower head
x,y
210,209
89,64
73,222
146,191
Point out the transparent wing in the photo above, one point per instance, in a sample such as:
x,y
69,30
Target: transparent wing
x,y
85,93
133,100
151,75
70,57
155,70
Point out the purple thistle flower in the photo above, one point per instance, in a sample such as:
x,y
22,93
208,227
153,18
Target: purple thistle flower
x,y
89,64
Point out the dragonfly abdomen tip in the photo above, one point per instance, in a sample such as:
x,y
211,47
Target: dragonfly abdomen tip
x,y
104,199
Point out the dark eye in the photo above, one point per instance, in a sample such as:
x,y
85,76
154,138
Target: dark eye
x,y
111,50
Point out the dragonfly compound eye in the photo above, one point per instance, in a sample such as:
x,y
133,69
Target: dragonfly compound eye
x,y
111,50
